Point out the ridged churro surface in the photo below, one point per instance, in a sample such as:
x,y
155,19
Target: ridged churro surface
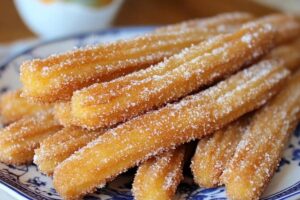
x,y
287,53
19,139
193,117
105,104
214,152
59,146
13,107
259,152
56,77
158,177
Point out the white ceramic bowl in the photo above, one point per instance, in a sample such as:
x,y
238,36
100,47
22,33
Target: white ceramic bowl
x,y
58,18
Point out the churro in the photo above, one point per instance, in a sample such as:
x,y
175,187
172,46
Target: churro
x,y
13,107
19,139
158,177
62,112
56,77
214,152
288,53
193,117
105,104
259,152
287,27
59,146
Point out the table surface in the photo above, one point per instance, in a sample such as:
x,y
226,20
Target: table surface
x,y
137,12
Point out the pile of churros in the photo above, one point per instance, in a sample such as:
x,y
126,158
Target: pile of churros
x,y
231,82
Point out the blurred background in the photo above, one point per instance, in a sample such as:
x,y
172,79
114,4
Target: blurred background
x,y
31,20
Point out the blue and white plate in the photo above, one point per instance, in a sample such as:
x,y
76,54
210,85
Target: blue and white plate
x,y
26,182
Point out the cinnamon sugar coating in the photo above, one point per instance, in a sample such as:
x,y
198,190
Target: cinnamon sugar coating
x,y
145,136
13,107
19,139
62,112
105,104
214,152
158,177
259,152
56,77
59,146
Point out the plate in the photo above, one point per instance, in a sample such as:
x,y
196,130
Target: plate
x,y
26,182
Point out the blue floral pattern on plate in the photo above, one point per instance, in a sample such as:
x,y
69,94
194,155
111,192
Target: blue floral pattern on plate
x,y
26,182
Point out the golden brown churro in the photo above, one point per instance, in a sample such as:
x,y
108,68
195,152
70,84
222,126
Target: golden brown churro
x,y
213,153
193,117
289,54
19,139
158,177
56,77
290,51
13,107
59,146
259,152
208,162
62,112
105,104
287,26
